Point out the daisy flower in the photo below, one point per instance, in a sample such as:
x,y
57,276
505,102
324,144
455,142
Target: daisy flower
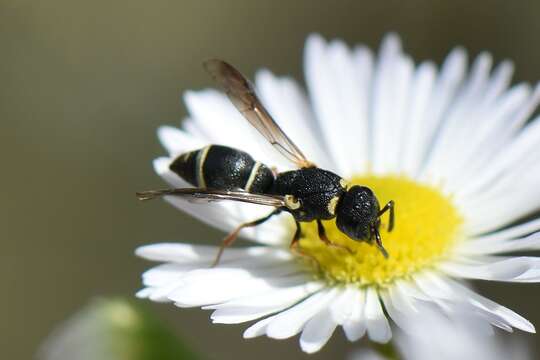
x,y
451,145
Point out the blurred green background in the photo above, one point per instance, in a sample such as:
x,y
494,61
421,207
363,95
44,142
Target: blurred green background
x,y
84,85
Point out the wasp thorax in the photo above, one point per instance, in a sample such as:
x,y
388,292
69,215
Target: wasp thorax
x,y
357,212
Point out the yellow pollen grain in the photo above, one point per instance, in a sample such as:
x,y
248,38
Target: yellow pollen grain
x,y
427,226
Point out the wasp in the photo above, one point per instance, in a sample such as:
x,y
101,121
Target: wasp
x,y
308,193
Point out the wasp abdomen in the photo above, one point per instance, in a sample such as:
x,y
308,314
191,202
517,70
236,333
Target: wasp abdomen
x,y
222,167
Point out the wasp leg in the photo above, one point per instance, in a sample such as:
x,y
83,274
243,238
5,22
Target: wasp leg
x,y
229,239
375,233
389,206
294,246
296,237
324,238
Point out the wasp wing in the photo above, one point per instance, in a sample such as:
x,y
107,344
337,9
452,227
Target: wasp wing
x,y
210,195
243,96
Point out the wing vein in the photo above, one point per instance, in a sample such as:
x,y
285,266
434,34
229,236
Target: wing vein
x,y
243,97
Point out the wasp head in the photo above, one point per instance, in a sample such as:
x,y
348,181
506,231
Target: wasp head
x,y
358,215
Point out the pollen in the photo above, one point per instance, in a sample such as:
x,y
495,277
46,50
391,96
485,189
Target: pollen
x,y
427,227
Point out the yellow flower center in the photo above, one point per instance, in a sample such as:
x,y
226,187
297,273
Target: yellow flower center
x,y
427,226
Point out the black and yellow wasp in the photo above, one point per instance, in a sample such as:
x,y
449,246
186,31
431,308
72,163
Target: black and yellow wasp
x,y
308,193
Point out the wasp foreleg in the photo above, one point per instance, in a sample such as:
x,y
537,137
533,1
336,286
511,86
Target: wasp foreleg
x,y
389,207
378,241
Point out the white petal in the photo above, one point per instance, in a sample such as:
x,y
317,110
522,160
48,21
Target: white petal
x,y
244,314
206,287
342,307
186,253
255,306
164,274
447,83
378,328
174,281
401,99
406,311
418,116
483,140
409,289
532,275
512,195
338,86
275,297
292,321
507,206
492,307
500,79
402,320
455,299
519,149
177,141
449,339
161,293
402,301
355,326
458,122
500,244
434,285
259,328
384,96
144,293
317,331
189,253
513,232
499,270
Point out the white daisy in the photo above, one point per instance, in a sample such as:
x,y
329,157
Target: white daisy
x,y
450,146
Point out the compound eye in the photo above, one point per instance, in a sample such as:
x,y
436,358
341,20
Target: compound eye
x,y
292,202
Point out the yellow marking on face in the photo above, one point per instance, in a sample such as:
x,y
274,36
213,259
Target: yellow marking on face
x,y
344,184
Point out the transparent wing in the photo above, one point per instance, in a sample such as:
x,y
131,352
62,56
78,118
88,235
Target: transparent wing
x,y
242,95
209,195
